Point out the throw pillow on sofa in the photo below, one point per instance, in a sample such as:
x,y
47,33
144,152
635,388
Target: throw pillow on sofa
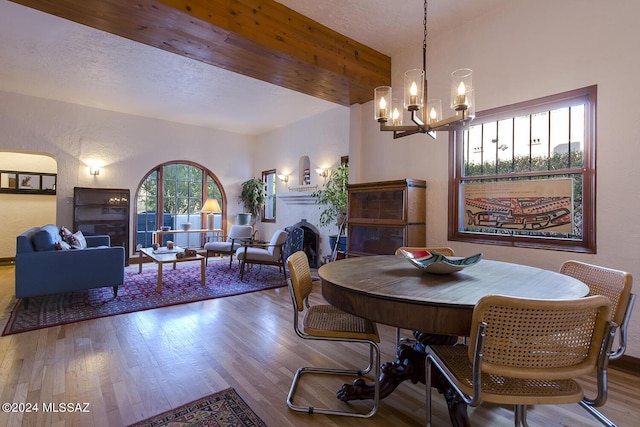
x,y
45,238
75,240
66,234
78,241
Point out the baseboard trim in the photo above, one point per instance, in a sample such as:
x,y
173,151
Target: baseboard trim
x,y
627,364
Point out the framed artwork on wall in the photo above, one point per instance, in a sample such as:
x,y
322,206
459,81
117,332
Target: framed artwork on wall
x,y
49,182
8,180
27,182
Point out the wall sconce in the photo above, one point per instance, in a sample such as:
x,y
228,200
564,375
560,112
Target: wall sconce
x,y
284,178
323,172
94,170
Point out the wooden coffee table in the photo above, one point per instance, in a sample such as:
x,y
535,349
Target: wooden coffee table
x,y
161,258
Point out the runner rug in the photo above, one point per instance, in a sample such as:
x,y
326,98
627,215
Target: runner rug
x,y
179,286
225,408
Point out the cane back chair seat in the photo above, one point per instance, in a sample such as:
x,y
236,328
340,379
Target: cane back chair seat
x,y
326,322
615,285
527,352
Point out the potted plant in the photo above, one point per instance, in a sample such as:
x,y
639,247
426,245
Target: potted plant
x,y
252,197
333,198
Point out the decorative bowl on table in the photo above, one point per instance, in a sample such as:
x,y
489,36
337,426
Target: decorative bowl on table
x,y
165,228
186,226
436,263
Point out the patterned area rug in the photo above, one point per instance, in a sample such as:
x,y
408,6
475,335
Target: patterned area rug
x,y
224,408
180,286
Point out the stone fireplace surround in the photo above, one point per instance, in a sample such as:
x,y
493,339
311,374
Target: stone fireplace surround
x,y
293,208
310,241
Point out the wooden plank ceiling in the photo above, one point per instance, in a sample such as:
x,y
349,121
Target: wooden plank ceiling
x,y
257,38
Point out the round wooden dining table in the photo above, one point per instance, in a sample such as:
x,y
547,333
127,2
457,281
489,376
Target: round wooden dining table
x,y
390,290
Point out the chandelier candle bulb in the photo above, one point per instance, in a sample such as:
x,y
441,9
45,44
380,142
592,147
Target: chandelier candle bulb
x,y
396,109
383,108
462,99
395,117
414,89
413,98
434,106
382,102
461,86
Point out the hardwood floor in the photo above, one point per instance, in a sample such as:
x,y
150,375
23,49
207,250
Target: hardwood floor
x,y
132,366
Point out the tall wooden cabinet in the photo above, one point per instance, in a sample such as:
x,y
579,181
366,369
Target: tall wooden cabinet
x,y
382,216
99,211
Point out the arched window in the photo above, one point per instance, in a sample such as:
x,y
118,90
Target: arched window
x,y
172,194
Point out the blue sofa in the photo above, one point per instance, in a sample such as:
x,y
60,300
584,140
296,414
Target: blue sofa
x,y
41,269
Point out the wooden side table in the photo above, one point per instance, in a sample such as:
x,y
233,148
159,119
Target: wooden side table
x,y
157,235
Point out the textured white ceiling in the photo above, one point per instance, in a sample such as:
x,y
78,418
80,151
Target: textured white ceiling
x,y
46,56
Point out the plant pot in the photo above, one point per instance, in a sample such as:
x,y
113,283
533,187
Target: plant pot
x,y
342,244
243,218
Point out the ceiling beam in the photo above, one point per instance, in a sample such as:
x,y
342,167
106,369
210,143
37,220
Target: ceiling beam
x,y
258,38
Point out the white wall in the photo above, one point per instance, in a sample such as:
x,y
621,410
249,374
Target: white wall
x,y
127,146
521,51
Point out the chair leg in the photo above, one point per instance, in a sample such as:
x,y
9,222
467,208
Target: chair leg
x,y
520,414
242,263
374,361
230,259
427,383
206,258
597,414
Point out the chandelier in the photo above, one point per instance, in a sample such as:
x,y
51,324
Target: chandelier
x,y
426,114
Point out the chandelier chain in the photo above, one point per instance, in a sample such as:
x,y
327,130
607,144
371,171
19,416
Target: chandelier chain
x,y
424,40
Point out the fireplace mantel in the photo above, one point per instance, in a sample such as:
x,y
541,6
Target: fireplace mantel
x,y
297,198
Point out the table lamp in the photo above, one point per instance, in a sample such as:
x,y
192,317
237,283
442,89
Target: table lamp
x,y
211,207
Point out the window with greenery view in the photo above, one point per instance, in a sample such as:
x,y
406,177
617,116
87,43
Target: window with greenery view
x,y
524,175
269,208
173,194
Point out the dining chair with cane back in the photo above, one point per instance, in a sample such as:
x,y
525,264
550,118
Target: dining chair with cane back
x,y
326,322
615,285
527,352
443,250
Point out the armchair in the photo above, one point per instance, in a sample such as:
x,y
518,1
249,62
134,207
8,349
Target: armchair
x,y
263,253
237,234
